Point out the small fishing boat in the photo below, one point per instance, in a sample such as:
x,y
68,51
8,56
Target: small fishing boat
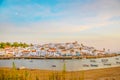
x,y
107,64
94,65
85,65
53,65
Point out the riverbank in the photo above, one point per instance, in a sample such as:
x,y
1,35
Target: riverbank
x,y
36,74
61,57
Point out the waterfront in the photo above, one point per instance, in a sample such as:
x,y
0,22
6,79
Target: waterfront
x,y
72,49
53,56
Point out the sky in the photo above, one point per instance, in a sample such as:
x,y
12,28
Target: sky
x,y
91,22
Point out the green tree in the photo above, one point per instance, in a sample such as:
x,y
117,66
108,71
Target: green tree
x,y
25,45
8,44
21,44
2,45
31,44
15,44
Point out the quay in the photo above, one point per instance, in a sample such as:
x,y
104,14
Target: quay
x,y
60,57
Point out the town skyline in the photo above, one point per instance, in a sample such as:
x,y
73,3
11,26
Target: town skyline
x,y
93,23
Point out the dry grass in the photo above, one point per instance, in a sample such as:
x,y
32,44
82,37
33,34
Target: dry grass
x,y
35,74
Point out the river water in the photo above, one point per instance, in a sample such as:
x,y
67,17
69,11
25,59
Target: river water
x,y
59,64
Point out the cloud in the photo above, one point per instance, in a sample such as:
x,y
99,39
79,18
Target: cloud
x,y
67,20
94,8
73,10
54,27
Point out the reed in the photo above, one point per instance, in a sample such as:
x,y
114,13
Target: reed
x,y
36,78
27,74
13,66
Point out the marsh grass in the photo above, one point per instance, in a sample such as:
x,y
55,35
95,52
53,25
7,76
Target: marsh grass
x,y
27,74
8,74
30,74
16,74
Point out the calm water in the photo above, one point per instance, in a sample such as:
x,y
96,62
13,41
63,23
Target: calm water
x,y
57,64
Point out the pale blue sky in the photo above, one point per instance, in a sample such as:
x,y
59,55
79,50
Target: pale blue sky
x,y
92,22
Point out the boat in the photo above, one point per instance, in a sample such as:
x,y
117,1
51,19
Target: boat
x,y
85,65
93,65
107,64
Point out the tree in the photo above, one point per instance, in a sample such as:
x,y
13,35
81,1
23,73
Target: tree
x,y
21,44
2,45
31,44
8,44
25,45
15,44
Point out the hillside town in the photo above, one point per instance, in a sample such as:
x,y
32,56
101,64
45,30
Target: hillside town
x,y
52,50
